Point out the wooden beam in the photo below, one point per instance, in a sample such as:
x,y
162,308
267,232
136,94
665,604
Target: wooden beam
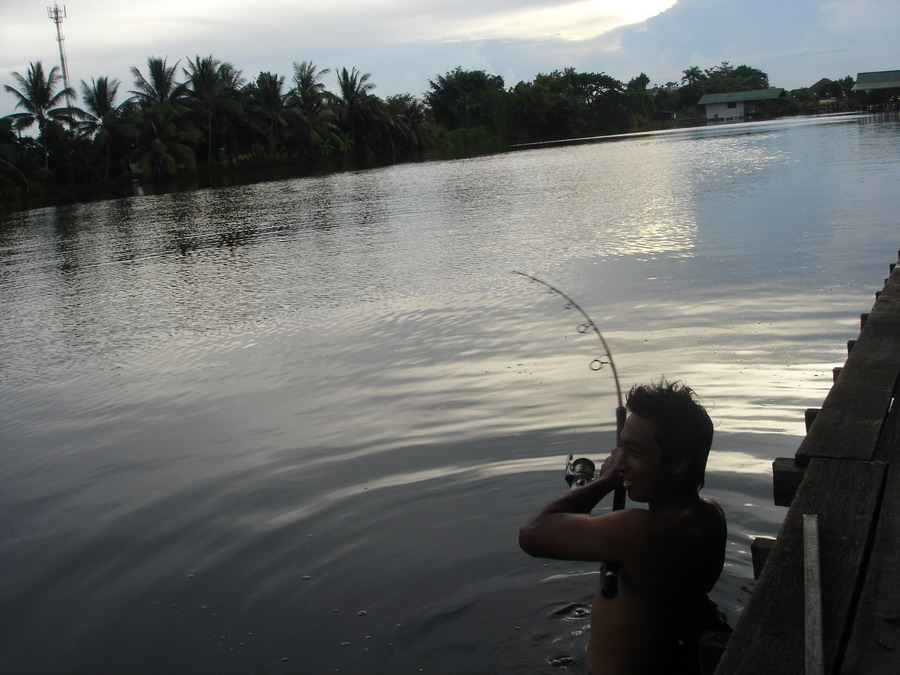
x,y
760,549
786,478
809,416
812,594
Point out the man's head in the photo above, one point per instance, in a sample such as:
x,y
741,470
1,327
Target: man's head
x,y
683,429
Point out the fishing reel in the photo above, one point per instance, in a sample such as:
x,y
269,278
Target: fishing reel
x,y
579,472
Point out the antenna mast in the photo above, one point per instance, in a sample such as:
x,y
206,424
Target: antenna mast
x,y
56,16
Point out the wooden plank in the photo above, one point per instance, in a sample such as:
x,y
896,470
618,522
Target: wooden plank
x,y
850,420
874,645
888,449
769,635
812,597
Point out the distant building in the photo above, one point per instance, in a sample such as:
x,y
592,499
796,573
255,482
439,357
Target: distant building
x,y
741,104
884,84
819,86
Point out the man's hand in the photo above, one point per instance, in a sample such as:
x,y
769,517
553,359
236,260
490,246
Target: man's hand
x,y
611,469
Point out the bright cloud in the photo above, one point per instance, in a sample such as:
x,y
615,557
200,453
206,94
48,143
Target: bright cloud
x,y
404,43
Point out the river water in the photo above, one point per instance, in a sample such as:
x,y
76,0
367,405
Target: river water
x,y
295,426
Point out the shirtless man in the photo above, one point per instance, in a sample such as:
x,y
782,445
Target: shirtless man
x,y
669,555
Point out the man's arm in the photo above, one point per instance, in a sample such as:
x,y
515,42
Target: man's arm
x,y
566,530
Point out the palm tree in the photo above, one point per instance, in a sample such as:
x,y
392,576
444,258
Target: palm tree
x,y
39,101
310,100
161,86
17,163
163,147
267,105
231,100
410,119
355,106
164,128
101,115
210,86
692,75
308,88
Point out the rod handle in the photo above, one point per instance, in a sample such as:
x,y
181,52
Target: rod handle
x,y
610,584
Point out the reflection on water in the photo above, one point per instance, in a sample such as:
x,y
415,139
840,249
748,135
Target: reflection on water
x,y
297,424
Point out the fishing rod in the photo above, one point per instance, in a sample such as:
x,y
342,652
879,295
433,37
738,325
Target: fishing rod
x,y
581,471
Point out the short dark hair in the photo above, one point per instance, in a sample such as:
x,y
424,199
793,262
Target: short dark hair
x,y
683,427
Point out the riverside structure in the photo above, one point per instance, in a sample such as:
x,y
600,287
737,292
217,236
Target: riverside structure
x,y
845,477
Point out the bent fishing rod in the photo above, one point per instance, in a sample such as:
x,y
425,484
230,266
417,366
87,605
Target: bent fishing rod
x,y
581,471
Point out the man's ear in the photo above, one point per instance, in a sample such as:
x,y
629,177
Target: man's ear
x,y
680,468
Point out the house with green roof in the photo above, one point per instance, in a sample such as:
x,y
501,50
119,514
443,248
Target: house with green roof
x,y
882,83
742,105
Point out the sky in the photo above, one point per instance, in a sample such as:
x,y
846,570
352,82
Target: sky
x,y
405,43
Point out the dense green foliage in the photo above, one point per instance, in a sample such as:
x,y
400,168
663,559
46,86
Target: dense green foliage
x,y
203,119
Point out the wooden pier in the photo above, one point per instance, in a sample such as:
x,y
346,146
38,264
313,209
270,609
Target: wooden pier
x,y
846,473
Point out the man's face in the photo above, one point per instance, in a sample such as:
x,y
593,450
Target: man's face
x,y
643,474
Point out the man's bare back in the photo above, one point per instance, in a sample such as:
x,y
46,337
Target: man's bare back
x,y
638,630
669,555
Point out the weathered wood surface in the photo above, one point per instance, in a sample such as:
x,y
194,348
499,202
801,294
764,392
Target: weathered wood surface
x,y
769,637
849,423
814,651
874,647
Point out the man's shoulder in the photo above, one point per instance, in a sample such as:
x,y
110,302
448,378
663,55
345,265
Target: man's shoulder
x,y
639,523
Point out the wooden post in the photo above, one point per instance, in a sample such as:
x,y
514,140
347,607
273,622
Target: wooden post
x,y
812,584
809,416
759,553
786,478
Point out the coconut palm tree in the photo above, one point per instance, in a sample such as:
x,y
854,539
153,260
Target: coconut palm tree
x,y
233,116
101,114
309,98
163,147
17,164
309,91
267,105
359,112
39,100
410,115
692,75
165,131
159,86
211,91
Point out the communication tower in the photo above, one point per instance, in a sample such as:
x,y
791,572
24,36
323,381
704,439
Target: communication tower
x,y
56,16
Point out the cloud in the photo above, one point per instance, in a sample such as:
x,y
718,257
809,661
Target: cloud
x,y
404,43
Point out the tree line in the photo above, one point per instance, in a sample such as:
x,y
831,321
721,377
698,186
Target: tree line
x,y
203,119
